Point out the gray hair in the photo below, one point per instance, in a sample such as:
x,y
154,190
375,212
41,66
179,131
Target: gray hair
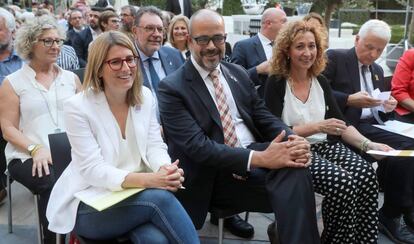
x,y
30,31
377,28
9,19
147,10
131,9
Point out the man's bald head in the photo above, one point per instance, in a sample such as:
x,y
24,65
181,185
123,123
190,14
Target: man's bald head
x,y
204,15
272,21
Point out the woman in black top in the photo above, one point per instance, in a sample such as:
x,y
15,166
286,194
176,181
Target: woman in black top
x,y
302,97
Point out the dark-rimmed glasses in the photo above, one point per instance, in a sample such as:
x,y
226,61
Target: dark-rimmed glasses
x,y
116,63
152,28
49,42
205,40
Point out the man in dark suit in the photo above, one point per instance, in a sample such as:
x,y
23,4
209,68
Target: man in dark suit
x,y
82,39
354,75
180,7
255,53
76,25
232,149
156,60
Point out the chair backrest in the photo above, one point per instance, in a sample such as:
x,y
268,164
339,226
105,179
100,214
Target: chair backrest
x,y
60,151
80,73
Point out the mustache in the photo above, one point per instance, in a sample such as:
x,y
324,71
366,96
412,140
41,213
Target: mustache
x,y
211,52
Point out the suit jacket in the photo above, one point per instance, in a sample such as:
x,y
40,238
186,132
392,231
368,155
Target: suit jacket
x,y
80,43
249,53
174,7
343,73
194,131
171,60
95,150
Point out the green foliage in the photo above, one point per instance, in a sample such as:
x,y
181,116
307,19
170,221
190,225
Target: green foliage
x,y
232,7
158,3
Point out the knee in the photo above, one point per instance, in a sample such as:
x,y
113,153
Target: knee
x,y
159,197
367,176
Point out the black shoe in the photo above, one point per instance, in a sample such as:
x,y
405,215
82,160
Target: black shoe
x,y
236,225
393,229
273,234
409,219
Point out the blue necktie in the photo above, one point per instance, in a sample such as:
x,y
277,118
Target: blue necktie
x,y
153,74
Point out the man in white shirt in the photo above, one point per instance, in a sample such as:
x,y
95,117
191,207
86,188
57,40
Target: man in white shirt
x,y
255,53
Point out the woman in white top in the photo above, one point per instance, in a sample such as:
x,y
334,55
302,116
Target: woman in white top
x,y
116,144
31,101
302,97
178,33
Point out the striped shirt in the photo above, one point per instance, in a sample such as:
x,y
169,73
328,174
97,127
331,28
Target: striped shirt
x,y
67,58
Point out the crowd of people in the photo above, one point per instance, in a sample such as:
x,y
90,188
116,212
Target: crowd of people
x,y
164,105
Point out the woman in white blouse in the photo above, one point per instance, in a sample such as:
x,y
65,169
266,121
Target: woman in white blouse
x,y
31,106
178,33
302,97
116,144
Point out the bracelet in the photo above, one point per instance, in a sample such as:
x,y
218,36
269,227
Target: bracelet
x,y
364,145
37,147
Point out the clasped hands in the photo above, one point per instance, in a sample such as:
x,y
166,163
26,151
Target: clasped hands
x,y
363,100
170,177
293,153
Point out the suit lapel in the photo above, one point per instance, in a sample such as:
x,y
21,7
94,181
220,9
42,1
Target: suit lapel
x,y
200,88
104,113
144,75
353,69
375,77
259,49
167,64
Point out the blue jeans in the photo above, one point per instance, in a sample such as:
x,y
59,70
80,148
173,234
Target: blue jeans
x,y
151,216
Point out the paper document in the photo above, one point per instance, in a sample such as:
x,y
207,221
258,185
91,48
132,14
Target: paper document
x,y
383,96
398,127
100,198
399,153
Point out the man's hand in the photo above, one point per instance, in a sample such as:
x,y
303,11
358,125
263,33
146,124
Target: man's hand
x,y
362,100
293,153
390,104
263,68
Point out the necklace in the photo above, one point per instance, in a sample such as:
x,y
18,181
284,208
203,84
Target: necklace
x,y
55,122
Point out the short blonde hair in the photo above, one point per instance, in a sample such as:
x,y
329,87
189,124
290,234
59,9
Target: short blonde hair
x,y
174,20
27,35
98,51
281,61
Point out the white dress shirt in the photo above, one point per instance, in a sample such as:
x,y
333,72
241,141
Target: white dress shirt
x,y
267,45
242,131
366,112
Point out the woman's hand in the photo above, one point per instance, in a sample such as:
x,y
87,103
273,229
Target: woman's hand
x,y
169,177
41,160
332,126
378,147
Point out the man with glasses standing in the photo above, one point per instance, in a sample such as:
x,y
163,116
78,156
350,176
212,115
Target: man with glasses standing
x,y
156,61
235,153
255,53
128,14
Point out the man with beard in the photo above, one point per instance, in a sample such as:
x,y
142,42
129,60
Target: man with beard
x,y
255,53
82,39
75,25
9,62
157,61
234,152
128,14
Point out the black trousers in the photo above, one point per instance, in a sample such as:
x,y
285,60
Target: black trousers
x,y
397,173
286,192
408,118
22,173
3,163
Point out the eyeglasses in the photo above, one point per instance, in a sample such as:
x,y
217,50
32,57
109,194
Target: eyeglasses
x,y
205,40
49,42
115,21
125,15
152,28
117,63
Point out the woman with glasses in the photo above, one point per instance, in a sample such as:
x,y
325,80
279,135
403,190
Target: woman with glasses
x,y
109,20
116,145
302,98
177,34
31,106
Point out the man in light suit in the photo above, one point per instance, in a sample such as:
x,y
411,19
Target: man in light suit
x,y
180,7
82,39
255,53
354,75
231,147
157,61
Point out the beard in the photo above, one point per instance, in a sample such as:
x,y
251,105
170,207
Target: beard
x,y
4,46
210,65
